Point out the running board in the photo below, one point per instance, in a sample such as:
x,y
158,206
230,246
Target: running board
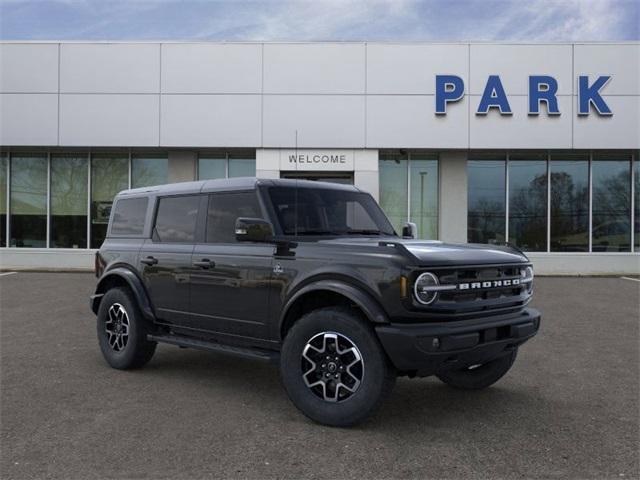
x,y
256,354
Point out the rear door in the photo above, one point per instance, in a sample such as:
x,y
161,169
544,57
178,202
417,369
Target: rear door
x,y
230,280
166,257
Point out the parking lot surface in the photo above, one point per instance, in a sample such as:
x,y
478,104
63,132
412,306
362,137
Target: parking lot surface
x,y
568,408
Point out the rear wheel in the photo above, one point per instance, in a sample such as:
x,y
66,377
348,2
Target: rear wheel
x,y
477,377
122,331
333,367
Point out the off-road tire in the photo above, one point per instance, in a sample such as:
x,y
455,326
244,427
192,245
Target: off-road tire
x,y
137,350
480,377
378,375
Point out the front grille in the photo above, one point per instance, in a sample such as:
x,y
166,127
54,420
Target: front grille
x,y
483,291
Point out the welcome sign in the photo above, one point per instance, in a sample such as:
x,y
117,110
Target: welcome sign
x,y
317,160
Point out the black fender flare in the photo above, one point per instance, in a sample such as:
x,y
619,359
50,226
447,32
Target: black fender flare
x,y
369,306
134,283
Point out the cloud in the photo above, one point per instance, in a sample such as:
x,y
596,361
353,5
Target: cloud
x,y
331,20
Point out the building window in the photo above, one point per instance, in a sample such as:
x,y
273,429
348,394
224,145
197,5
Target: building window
x,y
109,175
486,199
68,207
580,201
4,165
611,214
569,211
147,170
28,202
528,201
227,165
409,190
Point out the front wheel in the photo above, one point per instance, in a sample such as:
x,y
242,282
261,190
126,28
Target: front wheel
x,y
478,377
333,367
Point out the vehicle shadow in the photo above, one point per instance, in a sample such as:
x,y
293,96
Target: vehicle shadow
x,y
423,402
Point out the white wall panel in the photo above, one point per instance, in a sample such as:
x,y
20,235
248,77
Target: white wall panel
x,y
620,61
412,69
521,130
314,68
28,68
28,119
514,64
210,120
110,68
211,68
109,120
321,121
409,121
621,130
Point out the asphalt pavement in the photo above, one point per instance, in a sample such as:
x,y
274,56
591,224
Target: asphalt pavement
x,y
569,408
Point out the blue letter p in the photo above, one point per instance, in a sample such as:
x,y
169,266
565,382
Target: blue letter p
x,y
449,88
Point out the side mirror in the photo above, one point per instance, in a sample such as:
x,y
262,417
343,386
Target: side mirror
x,y
410,230
253,230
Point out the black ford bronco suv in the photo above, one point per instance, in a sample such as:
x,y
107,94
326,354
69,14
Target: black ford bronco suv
x,y
311,275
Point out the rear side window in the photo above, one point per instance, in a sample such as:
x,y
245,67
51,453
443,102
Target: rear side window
x,y
129,215
176,219
224,210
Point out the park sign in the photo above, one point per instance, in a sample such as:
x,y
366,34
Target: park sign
x,y
542,89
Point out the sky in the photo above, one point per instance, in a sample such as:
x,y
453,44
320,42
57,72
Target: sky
x,y
321,20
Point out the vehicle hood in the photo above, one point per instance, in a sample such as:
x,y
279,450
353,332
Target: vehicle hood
x,y
436,253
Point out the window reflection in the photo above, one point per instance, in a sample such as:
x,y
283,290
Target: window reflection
x,y
569,203
611,181
486,201
69,201
149,170
424,195
4,161
393,187
528,202
109,175
28,220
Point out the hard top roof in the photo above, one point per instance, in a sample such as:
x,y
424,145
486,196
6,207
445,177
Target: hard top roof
x,y
231,184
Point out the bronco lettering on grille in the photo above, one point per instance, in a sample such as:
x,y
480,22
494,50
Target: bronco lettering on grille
x,y
510,282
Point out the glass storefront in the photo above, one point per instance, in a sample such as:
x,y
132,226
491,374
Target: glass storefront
x,y
28,202
226,165
528,202
569,214
486,199
109,175
68,207
611,210
409,190
580,201
4,165
149,170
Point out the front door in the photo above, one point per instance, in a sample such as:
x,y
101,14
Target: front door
x,y
230,281
165,259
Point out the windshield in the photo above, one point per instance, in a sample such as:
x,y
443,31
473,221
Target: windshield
x,y
321,211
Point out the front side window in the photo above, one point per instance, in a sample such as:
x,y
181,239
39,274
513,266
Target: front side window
x,y
176,219
224,209
316,211
128,216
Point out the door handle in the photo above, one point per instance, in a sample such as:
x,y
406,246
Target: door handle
x,y
204,263
149,260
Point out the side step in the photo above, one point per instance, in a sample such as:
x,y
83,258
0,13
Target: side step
x,y
255,354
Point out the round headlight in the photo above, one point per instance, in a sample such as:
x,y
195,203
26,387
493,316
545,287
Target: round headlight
x,y
424,289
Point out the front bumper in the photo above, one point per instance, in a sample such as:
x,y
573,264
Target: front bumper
x,y
428,348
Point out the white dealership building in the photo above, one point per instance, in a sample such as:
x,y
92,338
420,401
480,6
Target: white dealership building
x,y
532,144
